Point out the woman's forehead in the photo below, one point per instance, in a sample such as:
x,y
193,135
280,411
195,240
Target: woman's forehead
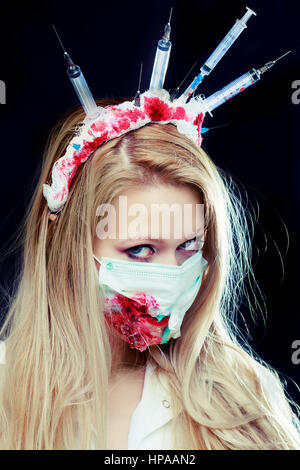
x,y
158,212
163,193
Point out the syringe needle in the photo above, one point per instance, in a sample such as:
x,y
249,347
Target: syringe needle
x,y
175,92
137,100
141,71
188,73
66,55
270,64
167,32
206,129
59,38
281,57
221,125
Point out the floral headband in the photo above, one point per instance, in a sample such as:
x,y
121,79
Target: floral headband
x,y
113,122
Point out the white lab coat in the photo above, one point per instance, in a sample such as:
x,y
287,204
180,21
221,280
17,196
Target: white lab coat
x,y
150,425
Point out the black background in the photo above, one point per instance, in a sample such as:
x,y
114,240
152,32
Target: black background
x,y
259,147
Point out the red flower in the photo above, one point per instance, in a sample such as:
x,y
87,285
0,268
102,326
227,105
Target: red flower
x,y
132,320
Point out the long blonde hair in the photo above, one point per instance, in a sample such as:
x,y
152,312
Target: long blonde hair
x,y
59,354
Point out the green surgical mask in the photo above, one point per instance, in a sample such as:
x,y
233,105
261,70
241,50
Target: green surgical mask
x,y
146,302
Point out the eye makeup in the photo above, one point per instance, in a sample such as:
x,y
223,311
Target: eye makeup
x,y
146,252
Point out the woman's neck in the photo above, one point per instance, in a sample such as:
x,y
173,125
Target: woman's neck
x,y
124,358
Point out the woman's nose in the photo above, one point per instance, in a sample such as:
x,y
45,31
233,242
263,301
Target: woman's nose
x,y
169,258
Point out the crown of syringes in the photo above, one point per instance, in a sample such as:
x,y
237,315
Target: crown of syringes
x,y
153,106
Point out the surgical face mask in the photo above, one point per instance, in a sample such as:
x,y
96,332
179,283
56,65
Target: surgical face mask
x,y
146,302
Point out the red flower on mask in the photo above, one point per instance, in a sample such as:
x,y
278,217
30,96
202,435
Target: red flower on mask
x,y
133,319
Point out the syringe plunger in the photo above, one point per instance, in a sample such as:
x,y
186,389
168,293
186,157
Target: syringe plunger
x,y
247,15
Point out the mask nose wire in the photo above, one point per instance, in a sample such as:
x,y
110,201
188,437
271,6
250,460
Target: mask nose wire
x,y
97,259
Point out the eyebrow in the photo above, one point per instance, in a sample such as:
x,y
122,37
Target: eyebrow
x,y
140,239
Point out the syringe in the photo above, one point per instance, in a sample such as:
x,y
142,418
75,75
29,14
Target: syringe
x,y
235,87
161,58
219,52
79,83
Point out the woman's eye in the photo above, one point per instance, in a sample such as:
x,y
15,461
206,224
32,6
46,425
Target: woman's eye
x,y
140,252
145,252
191,245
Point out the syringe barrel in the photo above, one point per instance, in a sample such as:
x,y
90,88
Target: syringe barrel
x,y
83,92
160,64
229,91
223,47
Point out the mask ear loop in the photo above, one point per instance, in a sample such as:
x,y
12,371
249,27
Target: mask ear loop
x,y
97,259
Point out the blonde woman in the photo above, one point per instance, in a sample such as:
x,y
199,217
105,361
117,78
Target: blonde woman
x,y
70,379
